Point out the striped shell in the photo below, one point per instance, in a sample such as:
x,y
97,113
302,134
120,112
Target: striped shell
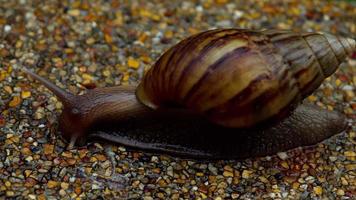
x,y
238,77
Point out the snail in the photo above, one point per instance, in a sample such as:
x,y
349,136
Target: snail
x,y
222,93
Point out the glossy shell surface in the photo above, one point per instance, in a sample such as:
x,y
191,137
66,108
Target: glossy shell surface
x,y
238,77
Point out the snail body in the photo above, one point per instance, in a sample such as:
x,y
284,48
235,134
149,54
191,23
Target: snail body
x,y
226,81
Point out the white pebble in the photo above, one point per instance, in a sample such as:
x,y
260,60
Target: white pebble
x,y
238,14
348,88
199,8
7,28
95,187
282,155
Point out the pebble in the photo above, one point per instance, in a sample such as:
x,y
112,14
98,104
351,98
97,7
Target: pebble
x,y
131,62
64,185
52,184
282,155
16,100
340,192
48,148
7,28
318,190
246,174
25,94
350,154
74,12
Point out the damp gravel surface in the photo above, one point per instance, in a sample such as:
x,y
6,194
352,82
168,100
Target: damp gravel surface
x,y
80,45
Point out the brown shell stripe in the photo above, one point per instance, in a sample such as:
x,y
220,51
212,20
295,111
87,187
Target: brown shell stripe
x,y
208,96
336,46
190,50
215,78
265,106
246,107
211,43
157,87
301,59
323,52
163,68
346,45
152,85
332,48
207,56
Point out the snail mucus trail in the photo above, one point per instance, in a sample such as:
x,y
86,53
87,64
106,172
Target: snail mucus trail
x,y
223,93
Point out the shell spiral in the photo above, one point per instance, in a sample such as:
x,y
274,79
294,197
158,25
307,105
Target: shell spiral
x,y
238,77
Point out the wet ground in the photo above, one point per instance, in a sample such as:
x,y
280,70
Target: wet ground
x,y
79,45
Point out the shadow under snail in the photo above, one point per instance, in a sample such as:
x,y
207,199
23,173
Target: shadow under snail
x,y
223,93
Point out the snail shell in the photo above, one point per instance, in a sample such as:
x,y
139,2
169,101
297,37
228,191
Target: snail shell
x,y
238,78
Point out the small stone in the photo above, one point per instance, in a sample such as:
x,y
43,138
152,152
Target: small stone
x,y
213,169
263,179
108,38
7,28
295,185
8,89
318,190
41,197
344,181
147,198
246,174
28,172
26,151
48,148
235,195
160,195
39,114
282,155
199,174
350,167
29,158
2,121
30,182
340,192
338,82
90,41
221,1
228,174
285,165
7,183
10,193
71,161
162,183
131,62
88,77
332,158
64,185
62,192
156,170
52,184
82,153
67,154
78,190
16,100
74,12
170,171
350,154
25,94
312,98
